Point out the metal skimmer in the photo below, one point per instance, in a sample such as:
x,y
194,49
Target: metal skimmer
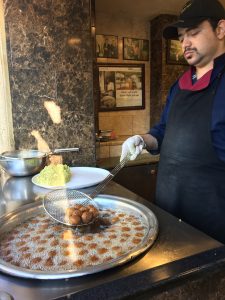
x,y
56,202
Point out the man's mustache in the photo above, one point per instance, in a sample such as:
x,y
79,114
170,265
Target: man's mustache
x,y
189,49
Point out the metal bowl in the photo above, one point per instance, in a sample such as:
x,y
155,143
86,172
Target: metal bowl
x,y
23,162
27,162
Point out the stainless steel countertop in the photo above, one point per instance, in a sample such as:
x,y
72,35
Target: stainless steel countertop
x,y
176,240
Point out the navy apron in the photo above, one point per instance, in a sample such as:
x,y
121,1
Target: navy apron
x,y
191,178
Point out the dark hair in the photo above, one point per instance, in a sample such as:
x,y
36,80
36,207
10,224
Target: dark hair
x,y
213,23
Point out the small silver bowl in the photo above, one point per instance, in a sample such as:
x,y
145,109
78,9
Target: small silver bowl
x,y
23,162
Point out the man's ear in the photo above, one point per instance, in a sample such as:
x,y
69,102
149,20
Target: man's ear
x,y
220,30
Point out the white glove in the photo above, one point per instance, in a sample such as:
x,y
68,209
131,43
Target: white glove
x,y
133,146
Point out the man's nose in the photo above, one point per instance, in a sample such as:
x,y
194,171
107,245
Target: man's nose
x,y
186,42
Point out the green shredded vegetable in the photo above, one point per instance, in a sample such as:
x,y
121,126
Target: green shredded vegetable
x,y
54,175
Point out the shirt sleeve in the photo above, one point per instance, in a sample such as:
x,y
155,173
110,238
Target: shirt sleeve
x,y
158,130
218,121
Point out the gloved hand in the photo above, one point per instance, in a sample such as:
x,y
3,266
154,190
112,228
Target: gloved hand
x,y
134,146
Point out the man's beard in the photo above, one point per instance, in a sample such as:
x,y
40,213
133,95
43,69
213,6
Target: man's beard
x,y
197,57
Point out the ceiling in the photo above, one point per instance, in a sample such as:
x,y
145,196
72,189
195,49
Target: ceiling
x,y
144,9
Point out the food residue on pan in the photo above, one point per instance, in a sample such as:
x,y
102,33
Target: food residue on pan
x,y
56,247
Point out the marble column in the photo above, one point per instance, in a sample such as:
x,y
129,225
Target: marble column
x,y
50,59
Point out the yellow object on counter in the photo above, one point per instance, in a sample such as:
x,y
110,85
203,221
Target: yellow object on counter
x,y
54,175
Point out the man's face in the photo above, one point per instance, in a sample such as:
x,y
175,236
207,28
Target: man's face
x,y
199,44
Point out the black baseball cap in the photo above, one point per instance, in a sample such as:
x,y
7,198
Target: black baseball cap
x,y
193,13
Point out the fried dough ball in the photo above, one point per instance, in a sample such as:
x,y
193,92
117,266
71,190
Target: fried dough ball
x,y
87,217
69,211
94,211
75,220
81,214
77,212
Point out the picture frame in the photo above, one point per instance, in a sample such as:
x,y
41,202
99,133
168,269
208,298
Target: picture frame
x,y
135,49
121,87
174,53
106,46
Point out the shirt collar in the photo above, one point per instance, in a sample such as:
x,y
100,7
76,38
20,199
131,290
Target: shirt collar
x,y
185,81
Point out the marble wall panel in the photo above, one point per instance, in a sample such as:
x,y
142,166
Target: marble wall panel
x,y
30,24
49,32
76,93
70,49
30,84
72,14
85,157
70,133
51,61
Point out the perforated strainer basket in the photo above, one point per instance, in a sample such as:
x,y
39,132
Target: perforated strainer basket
x,y
57,202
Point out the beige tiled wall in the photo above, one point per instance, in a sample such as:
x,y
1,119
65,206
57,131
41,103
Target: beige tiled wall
x,y
104,151
110,150
121,124
125,124
130,122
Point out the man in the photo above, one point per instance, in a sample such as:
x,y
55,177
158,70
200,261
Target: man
x,y
191,133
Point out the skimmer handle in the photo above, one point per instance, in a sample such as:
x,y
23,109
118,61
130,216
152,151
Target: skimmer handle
x,y
76,149
102,185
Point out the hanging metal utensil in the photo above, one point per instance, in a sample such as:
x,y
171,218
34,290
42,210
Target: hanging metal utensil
x,y
58,202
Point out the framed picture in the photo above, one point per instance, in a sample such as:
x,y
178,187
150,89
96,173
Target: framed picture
x,y
174,53
106,46
121,87
135,49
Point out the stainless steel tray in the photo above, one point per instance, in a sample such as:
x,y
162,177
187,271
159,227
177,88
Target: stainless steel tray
x,y
10,221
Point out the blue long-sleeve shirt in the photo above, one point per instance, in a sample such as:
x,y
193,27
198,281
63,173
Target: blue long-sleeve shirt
x,y
218,112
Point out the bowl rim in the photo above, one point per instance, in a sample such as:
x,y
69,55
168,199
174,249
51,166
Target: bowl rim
x,y
38,154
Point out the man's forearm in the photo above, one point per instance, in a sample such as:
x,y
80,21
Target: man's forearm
x,y
150,141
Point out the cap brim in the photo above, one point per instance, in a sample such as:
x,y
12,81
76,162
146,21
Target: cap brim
x,y
170,32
